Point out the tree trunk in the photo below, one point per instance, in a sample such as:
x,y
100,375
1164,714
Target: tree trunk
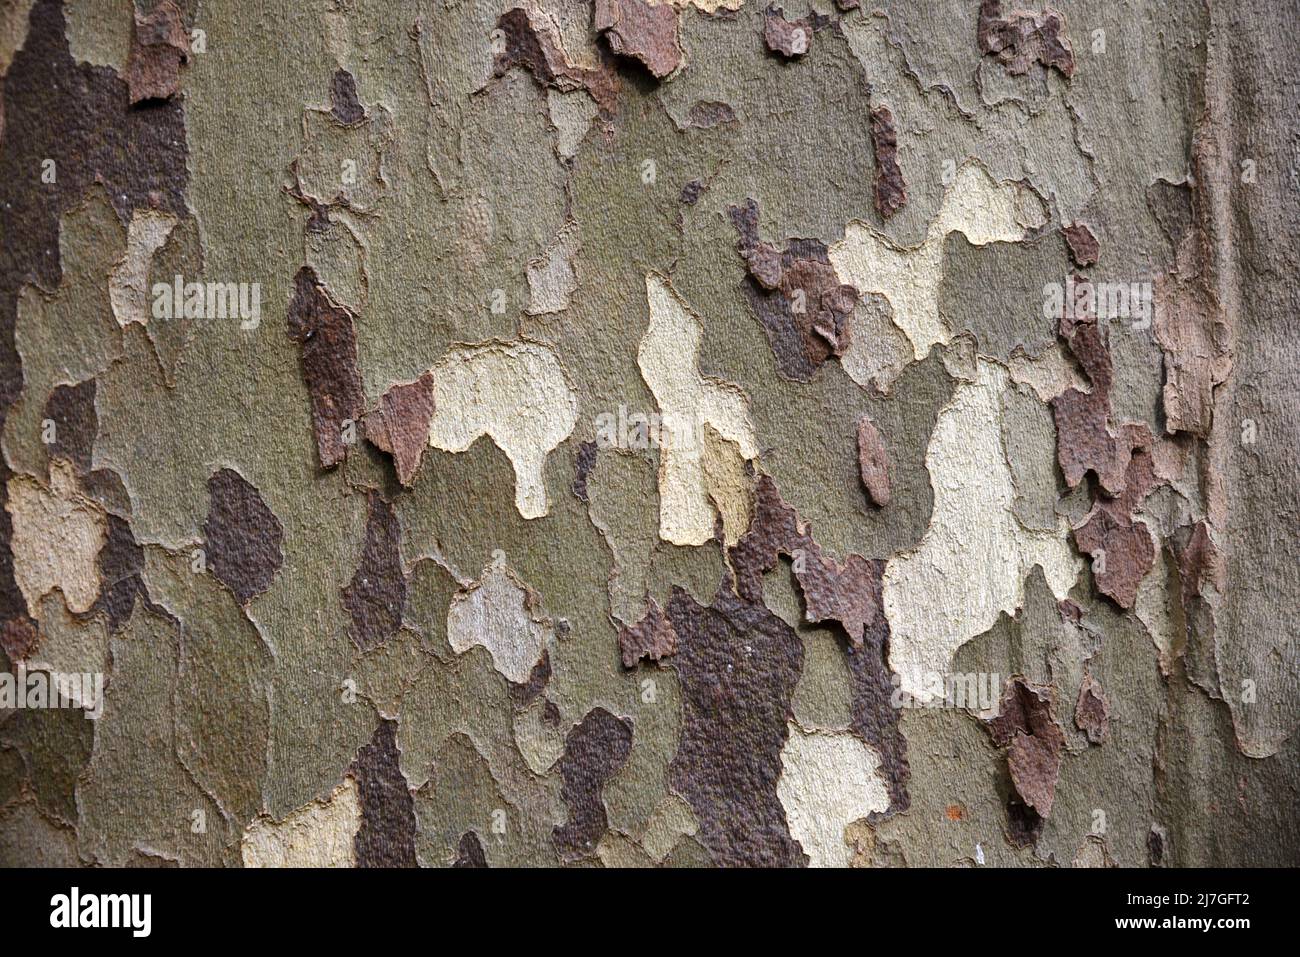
x,y
648,432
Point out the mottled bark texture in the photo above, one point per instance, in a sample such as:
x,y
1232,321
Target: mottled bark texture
x,y
649,432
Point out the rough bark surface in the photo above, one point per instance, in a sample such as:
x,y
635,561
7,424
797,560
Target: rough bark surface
x,y
649,432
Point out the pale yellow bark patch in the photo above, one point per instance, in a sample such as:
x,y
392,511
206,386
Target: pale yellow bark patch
x,y
57,535
128,284
972,562
689,402
319,834
828,781
983,210
514,393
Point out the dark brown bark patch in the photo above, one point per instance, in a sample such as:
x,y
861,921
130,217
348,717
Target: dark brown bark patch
x,y
1092,710
652,637
890,190
1025,725
387,834
1021,39
873,461
375,598
586,464
327,343
790,38
1157,844
1120,546
645,32
846,593
540,53
159,47
19,637
72,410
738,664
795,293
873,718
596,748
707,114
243,537
121,567
525,694
1082,244
692,190
1084,438
469,852
344,103
400,426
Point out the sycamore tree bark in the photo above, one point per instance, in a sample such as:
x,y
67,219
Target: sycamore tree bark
x,y
648,432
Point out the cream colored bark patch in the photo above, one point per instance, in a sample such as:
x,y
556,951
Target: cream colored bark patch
x,y
878,351
318,835
128,284
1048,374
688,402
730,489
73,651
972,561
57,535
514,393
828,781
499,613
551,278
976,206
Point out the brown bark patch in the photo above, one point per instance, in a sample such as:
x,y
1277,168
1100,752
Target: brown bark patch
x,y
526,693
873,461
1082,244
1025,725
652,637
327,343
1021,39
72,410
159,47
242,535
121,568
738,664
890,189
847,593
795,293
469,852
386,837
706,114
586,464
400,426
790,38
646,32
1092,710
375,599
596,748
344,102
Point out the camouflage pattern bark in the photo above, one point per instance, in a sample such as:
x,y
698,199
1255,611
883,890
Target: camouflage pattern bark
x,y
648,432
